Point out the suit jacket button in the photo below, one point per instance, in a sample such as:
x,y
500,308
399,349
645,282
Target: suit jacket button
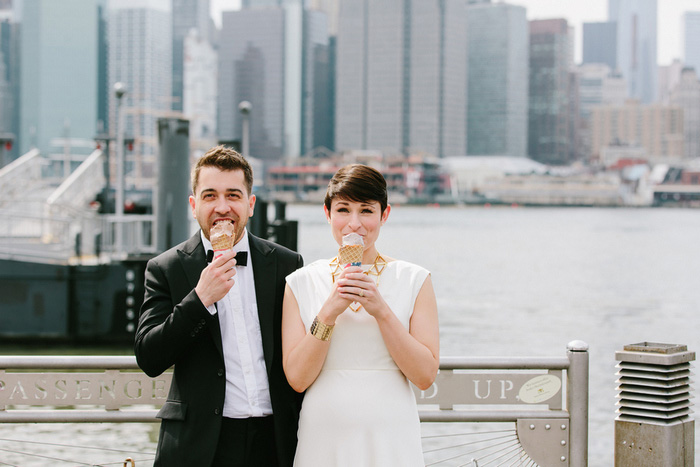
x,y
193,334
216,411
220,372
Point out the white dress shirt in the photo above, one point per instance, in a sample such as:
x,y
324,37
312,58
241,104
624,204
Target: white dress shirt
x,y
247,387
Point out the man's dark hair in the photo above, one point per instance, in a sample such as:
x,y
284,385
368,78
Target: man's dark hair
x,y
224,159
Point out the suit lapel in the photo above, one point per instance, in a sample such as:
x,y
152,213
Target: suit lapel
x,y
264,272
194,260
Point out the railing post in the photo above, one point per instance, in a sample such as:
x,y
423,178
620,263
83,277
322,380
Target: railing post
x,y
577,402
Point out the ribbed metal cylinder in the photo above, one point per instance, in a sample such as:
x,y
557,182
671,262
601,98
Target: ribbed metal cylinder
x,y
654,383
654,425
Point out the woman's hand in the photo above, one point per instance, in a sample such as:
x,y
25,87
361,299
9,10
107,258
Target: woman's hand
x,y
353,285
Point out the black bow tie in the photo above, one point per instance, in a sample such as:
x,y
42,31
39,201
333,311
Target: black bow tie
x,y
241,257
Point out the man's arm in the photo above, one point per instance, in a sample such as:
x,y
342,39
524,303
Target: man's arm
x,y
167,329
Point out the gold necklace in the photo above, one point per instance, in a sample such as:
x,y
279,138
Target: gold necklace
x,y
376,269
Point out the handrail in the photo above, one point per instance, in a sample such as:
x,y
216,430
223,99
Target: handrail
x,y
524,390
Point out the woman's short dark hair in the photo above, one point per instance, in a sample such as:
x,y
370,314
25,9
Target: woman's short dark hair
x,y
357,182
224,159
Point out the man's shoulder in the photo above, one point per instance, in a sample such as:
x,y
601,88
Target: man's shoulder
x,y
173,253
268,245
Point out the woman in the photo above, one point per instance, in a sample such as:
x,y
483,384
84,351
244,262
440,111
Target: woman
x,y
353,336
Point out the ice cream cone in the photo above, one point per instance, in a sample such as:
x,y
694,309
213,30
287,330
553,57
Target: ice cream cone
x,y
351,250
221,237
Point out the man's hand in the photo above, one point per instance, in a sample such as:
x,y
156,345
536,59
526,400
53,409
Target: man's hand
x,y
216,279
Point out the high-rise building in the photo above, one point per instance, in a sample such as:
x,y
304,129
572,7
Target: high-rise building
x,y
656,128
140,57
600,43
251,68
9,85
637,45
200,80
278,60
691,39
498,80
597,85
60,71
669,77
686,95
550,114
246,4
186,15
401,76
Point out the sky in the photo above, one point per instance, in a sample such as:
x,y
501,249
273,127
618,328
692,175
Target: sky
x,y
577,12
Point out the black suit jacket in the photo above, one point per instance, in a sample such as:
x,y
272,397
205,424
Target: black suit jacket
x,y
176,329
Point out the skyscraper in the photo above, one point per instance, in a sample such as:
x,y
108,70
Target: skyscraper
x,y
691,39
140,57
402,76
200,80
498,84
600,43
251,68
9,83
186,15
60,50
686,95
277,59
549,116
597,85
637,45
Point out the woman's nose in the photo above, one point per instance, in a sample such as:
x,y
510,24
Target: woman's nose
x,y
354,221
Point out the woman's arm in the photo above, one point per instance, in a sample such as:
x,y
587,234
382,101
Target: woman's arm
x,y
302,353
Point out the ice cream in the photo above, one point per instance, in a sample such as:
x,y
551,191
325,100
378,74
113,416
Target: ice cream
x,y
221,237
351,250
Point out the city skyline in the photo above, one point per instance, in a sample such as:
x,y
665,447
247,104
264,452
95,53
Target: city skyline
x,y
670,14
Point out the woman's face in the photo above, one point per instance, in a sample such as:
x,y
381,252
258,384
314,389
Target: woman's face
x,y
364,218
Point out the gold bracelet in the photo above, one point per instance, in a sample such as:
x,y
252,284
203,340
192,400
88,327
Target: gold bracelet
x,y
321,330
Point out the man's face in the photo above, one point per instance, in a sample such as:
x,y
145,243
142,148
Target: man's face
x,y
222,195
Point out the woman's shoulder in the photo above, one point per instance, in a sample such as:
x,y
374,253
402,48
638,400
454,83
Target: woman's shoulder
x,y
404,269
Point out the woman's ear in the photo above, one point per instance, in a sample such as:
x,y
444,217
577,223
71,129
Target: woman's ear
x,y
328,214
385,214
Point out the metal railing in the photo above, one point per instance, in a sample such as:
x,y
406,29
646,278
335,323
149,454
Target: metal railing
x,y
550,411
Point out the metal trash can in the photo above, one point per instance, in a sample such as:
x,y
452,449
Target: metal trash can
x,y
654,426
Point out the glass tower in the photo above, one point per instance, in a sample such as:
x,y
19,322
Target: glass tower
x,y
636,45
498,80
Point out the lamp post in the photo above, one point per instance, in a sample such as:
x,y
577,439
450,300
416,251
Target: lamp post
x,y
244,107
119,92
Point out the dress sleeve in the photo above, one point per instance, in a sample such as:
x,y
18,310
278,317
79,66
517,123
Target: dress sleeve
x,y
418,276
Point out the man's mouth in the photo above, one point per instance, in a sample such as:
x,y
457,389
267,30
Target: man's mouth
x,y
226,219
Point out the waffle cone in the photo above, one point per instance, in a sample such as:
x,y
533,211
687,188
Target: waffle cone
x,y
348,254
221,236
223,242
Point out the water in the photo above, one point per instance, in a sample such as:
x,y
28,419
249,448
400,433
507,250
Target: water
x,y
509,281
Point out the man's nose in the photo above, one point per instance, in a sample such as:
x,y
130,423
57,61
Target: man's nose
x,y
221,205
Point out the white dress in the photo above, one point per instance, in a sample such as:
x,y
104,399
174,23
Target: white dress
x,y
360,411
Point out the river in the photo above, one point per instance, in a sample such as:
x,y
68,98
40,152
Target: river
x,y
510,281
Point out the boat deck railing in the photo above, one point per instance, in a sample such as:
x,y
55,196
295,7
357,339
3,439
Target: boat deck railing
x,y
49,216
529,411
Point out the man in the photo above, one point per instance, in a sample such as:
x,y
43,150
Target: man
x,y
219,325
